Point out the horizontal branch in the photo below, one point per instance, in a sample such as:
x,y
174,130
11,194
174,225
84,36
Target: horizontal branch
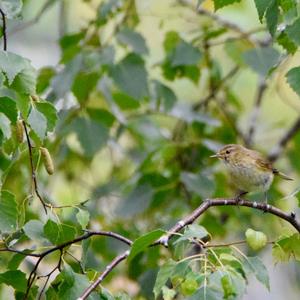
x,y
42,255
189,219
289,217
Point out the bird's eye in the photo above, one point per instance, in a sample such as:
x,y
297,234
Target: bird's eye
x,y
227,151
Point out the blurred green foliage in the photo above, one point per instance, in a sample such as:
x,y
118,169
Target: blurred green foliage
x,y
132,158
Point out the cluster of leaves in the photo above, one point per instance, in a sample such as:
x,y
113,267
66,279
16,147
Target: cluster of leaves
x,y
104,107
211,273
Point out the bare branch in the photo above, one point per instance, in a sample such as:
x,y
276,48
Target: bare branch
x,y
33,175
289,217
42,255
35,20
287,136
4,29
102,276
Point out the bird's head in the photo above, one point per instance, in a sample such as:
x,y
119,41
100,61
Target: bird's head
x,y
229,152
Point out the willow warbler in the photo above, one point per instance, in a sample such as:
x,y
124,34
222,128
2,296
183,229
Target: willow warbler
x,y
248,169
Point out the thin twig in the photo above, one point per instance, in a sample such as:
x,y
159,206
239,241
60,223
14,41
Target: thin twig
x,y
33,174
291,218
4,29
35,20
102,276
287,136
204,101
42,255
62,19
262,86
225,23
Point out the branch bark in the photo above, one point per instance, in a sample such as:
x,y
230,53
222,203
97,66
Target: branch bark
x,y
4,29
189,219
289,217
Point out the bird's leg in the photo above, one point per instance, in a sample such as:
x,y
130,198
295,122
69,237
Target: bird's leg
x,y
239,195
265,201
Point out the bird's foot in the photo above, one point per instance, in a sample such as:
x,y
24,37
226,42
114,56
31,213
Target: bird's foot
x,y
239,195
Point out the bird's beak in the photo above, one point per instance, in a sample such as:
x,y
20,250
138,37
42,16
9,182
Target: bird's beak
x,y
215,156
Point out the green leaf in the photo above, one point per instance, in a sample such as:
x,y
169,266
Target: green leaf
x,y
261,60
131,76
172,38
143,242
136,202
25,81
193,231
228,287
164,273
164,95
34,229
261,7
15,261
284,41
207,293
293,31
83,217
49,111
8,212
198,183
124,101
91,134
44,78
107,8
236,48
71,284
287,248
189,286
185,55
185,112
9,108
221,3
16,279
83,85
12,64
58,233
293,79
38,123
255,265
63,81
102,116
272,15
23,104
5,126
11,8
133,39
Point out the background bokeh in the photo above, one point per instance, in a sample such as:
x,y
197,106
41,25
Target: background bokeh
x,y
135,183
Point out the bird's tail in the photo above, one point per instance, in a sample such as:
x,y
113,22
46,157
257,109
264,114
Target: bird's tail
x,y
281,175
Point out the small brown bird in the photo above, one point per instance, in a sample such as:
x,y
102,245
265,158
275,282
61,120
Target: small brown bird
x,y
248,169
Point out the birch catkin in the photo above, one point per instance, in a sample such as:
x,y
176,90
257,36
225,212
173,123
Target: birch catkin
x,y
20,131
48,163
